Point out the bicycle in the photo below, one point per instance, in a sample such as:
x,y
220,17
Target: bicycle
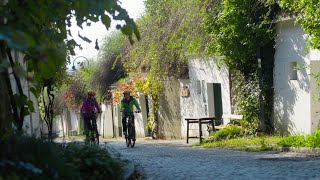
x,y
92,136
131,131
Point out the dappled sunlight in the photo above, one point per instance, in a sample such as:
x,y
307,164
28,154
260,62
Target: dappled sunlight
x,y
291,99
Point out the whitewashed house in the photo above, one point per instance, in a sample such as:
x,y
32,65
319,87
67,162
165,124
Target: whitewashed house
x,y
209,92
296,98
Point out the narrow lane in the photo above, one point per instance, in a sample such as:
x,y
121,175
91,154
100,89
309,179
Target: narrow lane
x,y
176,160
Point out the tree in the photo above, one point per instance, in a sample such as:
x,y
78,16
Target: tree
x,y
109,69
39,30
307,13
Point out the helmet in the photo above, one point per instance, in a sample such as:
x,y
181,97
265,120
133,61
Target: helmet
x,y
126,92
91,93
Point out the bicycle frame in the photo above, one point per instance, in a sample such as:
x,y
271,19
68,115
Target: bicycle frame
x,y
92,135
131,135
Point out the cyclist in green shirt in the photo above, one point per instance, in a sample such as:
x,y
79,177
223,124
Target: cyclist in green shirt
x,y
126,106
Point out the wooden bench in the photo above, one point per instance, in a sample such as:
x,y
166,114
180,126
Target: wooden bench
x,y
200,121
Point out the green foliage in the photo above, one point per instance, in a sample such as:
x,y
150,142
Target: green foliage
x,y
75,92
228,132
39,30
307,14
92,162
109,69
237,28
260,143
247,97
293,141
29,158
246,143
311,140
170,31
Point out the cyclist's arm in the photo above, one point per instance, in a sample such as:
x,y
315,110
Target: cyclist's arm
x,y
98,107
122,106
135,102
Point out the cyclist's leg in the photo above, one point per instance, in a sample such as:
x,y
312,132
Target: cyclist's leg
x,y
124,124
133,129
91,128
86,127
95,127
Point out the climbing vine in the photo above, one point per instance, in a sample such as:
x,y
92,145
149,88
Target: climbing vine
x,y
239,32
307,13
237,29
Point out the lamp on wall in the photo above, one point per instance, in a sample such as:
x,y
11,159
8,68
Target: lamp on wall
x,y
74,67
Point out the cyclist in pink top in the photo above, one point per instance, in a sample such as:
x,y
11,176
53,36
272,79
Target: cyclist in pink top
x,y
88,110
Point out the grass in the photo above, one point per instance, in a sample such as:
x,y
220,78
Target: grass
x,y
246,143
260,143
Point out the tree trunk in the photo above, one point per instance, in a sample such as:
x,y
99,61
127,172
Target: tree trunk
x,y
8,113
5,113
48,107
20,112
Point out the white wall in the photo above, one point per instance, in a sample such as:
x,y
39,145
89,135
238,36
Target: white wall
x,y
292,97
107,122
169,110
141,118
194,105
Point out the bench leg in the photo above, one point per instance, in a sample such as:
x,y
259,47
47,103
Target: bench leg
x,y
213,124
200,132
187,132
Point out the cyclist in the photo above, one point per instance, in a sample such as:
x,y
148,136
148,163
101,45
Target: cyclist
x,y
88,109
126,106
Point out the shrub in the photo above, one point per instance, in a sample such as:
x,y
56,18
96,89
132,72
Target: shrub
x,y
228,132
293,141
313,140
92,162
30,158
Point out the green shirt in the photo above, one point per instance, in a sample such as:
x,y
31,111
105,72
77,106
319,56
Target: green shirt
x,y
127,106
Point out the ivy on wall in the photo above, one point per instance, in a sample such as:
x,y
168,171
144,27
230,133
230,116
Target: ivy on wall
x,y
307,13
238,32
239,29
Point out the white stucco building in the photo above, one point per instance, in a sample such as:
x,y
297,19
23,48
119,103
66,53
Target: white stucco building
x,y
209,92
296,93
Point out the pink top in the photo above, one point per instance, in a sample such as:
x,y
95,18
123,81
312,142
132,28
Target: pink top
x,y
89,106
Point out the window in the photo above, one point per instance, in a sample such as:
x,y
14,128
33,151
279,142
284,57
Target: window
x,y
293,73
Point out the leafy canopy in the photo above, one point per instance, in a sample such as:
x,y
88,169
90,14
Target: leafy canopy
x,y
39,29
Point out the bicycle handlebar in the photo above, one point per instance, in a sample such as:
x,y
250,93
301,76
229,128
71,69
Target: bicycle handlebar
x,y
130,112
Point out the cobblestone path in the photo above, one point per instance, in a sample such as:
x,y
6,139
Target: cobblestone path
x,y
175,160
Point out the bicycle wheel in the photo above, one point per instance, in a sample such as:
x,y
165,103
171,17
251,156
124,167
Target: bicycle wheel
x,y
133,136
95,133
96,136
130,136
128,140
